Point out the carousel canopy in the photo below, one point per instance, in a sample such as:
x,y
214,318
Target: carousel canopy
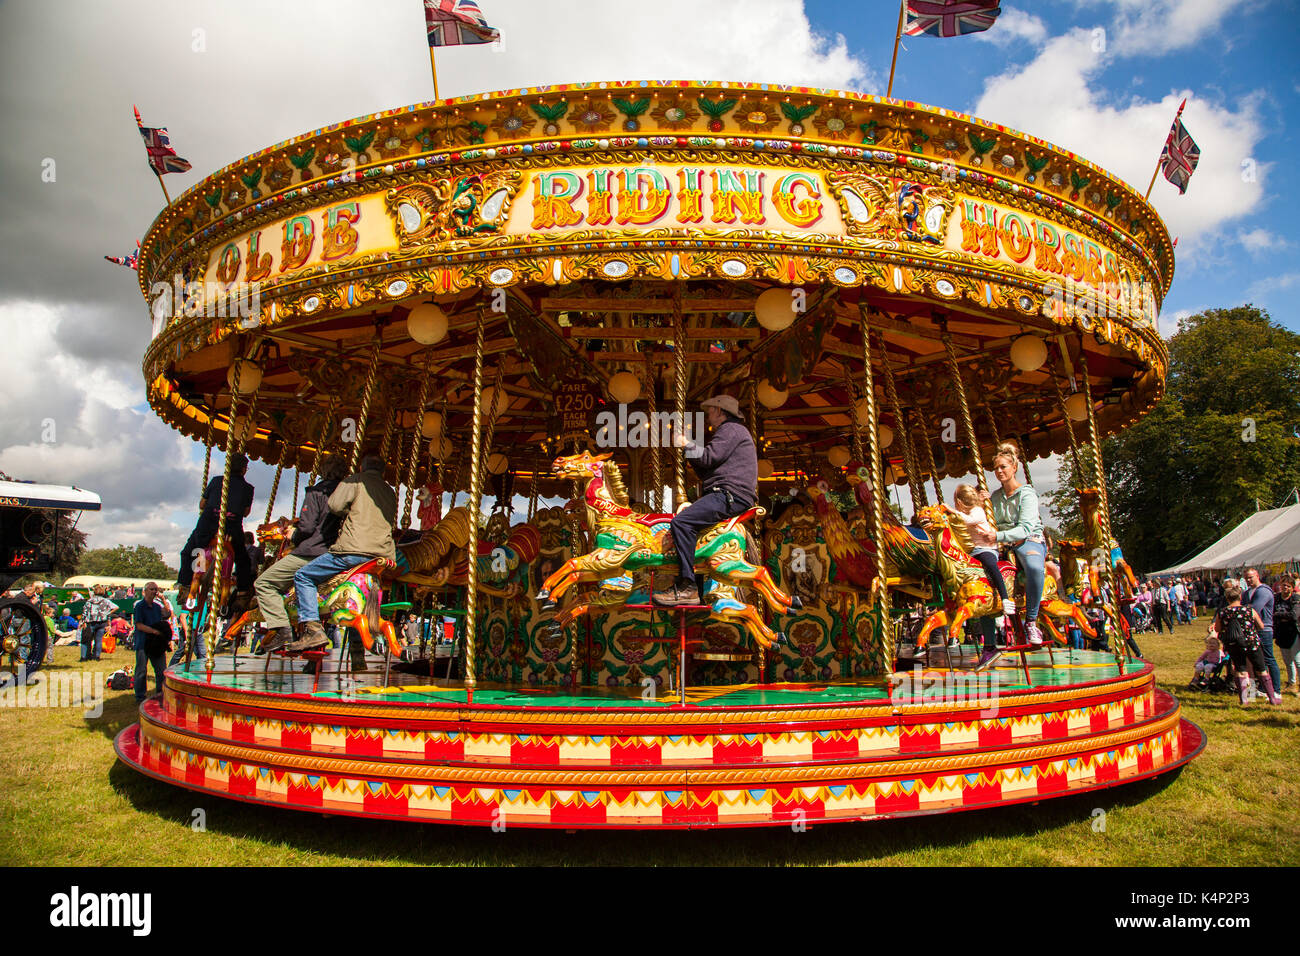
x,y
617,240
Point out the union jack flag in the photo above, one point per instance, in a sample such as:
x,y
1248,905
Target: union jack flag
x,y
131,260
949,18
162,158
457,22
1179,157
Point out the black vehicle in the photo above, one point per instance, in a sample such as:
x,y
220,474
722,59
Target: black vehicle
x,y
29,530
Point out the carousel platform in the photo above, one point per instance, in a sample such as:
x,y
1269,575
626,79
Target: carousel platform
x,y
740,755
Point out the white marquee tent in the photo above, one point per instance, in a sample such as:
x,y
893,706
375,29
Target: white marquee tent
x,y
1266,537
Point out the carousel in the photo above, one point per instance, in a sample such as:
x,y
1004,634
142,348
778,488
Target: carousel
x,y
518,301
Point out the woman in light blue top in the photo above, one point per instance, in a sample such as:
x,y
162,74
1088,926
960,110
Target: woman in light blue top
x,y
1015,513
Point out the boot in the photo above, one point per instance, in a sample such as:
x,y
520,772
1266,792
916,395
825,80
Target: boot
x,y
1243,689
1273,696
313,637
680,592
275,638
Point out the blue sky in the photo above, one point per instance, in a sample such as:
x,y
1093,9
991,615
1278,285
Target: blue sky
x,y
1242,63
1100,77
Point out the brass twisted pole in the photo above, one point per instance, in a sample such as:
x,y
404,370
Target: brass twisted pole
x,y
436,446
532,494
909,454
475,496
234,442
656,476
877,516
416,435
275,482
296,475
386,443
1069,427
924,434
679,404
325,430
969,424
853,415
207,443
1121,646
366,395
491,426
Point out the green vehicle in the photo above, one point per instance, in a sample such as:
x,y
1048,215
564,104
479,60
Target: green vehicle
x,y
29,530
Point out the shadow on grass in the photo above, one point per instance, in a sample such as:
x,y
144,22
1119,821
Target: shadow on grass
x,y
120,711
353,840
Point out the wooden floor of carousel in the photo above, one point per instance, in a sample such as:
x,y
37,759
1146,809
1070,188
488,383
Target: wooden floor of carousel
x,y
413,748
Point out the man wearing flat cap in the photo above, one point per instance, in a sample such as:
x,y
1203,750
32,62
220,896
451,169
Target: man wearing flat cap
x,y
239,502
727,467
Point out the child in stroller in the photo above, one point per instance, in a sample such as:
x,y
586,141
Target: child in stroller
x,y
1213,670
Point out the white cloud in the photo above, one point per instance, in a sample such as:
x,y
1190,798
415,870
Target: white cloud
x,y
1260,240
75,327
69,420
1278,283
1054,96
1160,26
1012,25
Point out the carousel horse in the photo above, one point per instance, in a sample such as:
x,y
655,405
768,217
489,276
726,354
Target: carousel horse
x,y
917,556
1095,549
952,544
201,584
627,541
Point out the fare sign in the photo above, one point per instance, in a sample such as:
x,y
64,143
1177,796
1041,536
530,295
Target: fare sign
x,y
576,403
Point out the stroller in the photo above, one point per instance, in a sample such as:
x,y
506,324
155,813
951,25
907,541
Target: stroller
x,y
1143,620
1222,680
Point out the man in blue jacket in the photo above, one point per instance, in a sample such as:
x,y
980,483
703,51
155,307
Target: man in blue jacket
x,y
728,470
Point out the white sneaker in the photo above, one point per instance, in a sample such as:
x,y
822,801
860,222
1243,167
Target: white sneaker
x,y
1008,606
1034,635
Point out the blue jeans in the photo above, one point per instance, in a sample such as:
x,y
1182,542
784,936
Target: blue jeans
x,y
200,649
92,640
1031,556
320,569
1266,645
142,662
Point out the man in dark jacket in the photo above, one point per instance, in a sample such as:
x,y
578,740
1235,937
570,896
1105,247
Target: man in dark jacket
x,y
728,471
238,504
316,531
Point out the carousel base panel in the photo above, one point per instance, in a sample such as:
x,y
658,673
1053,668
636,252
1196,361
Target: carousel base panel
x,y
740,755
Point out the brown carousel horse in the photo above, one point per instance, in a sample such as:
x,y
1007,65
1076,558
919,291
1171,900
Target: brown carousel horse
x,y
628,541
952,552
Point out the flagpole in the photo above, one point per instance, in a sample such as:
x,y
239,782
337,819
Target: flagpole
x,y
1151,185
898,35
163,186
434,66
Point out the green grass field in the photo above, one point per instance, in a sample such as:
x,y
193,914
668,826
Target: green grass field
x,y
65,800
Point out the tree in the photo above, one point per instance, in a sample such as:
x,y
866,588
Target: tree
x,y
1222,438
140,561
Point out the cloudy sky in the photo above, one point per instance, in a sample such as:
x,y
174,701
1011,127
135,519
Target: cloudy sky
x,y
227,77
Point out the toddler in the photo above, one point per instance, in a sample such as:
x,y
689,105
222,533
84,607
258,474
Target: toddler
x,y
966,503
1208,663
